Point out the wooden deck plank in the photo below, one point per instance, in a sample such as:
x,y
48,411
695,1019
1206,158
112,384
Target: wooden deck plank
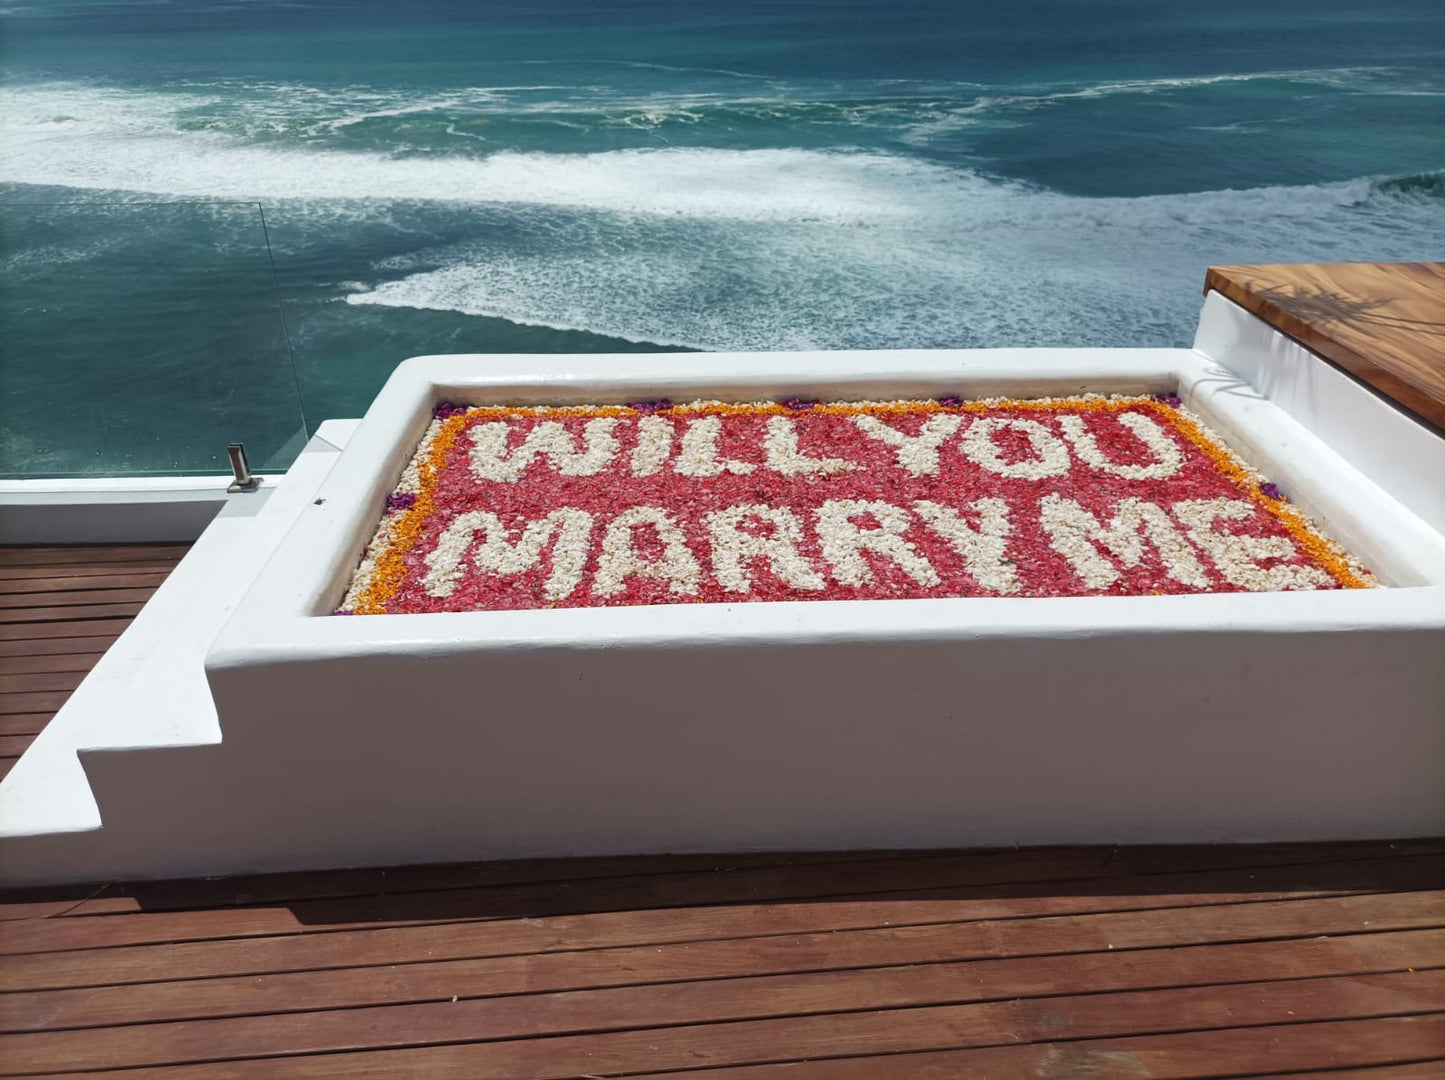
x,y
1418,1070
1234,1008
851,935
24,724
13,746
135,579
276,888
74,598
15,577
648,988
973,882
88,554
1367,1050
47,701
49,663
1384,323
1153,863
286,888
75,627
623,894
60,609
62,899
47,681
1158,866
1190,1055
69,614
93,645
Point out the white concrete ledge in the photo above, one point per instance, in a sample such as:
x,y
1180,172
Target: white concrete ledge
x,y
403,738
1384,442
147,691
131,509
835,724
112,510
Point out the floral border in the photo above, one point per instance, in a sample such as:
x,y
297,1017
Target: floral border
x,y
383,572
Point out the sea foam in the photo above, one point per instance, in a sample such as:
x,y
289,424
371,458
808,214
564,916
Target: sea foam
x,y
706,246
63,150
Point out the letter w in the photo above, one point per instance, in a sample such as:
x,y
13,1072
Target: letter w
x,y
490,460
496,553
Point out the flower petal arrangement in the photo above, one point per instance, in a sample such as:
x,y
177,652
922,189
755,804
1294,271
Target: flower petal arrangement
x,y
654,503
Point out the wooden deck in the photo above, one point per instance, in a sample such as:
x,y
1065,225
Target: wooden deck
x,y
1301,960
60,609
1384,323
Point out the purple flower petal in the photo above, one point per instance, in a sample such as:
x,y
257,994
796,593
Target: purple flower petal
x,y
652,406
1272,491
343,611
446,410
799,404
950,400
400,500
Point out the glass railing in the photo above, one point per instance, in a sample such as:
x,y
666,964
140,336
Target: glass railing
x,y
139,339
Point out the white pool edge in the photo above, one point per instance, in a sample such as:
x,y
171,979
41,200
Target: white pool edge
x,y
284,615
1361,646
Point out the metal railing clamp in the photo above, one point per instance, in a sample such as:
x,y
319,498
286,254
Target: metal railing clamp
x,y
244,480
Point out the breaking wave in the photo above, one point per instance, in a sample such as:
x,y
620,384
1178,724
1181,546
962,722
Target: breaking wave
x,y
706,246
111,141
1003,264
468,119
1428,185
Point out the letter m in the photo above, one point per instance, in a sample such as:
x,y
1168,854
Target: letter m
x,y
499,554
1079,537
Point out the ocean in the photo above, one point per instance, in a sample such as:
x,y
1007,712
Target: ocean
x,y
232,219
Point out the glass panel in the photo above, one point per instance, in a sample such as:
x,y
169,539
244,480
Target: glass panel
x,y
140,339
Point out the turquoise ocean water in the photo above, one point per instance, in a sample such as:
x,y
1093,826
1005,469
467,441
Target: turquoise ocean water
x,y
200,195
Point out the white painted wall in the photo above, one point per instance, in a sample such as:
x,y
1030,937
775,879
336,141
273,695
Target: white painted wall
x,y
148,690
1385,442
385,739
114,510
808,727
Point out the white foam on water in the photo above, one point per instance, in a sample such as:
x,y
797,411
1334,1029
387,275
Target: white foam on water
x,y
1006,265
641,65
1353,77
746,184
721,248
991,106
94,141
75,110
258,109
79,138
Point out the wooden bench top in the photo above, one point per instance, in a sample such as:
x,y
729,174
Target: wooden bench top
x,y
1384,323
